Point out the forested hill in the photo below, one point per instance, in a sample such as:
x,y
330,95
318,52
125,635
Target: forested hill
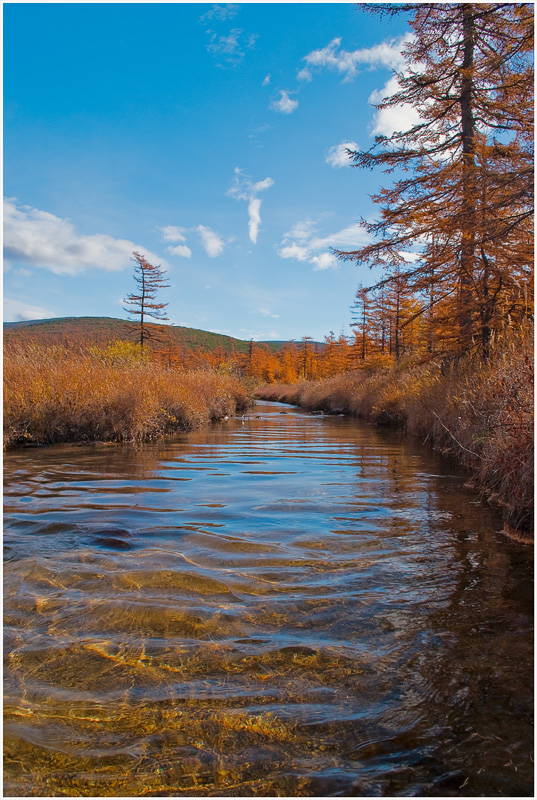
x,y
84,331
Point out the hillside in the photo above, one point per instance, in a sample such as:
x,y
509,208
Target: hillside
x,y
83,331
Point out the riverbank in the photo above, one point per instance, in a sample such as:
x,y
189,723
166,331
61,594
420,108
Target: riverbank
x,y
52,394
479,413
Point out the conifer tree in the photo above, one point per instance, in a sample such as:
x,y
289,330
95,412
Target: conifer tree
x,y
361,322
149,279
306,357
463,203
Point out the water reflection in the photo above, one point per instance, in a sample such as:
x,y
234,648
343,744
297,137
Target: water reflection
x,y
283,605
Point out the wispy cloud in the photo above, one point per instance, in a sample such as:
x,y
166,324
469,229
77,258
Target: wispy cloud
x,y
386,54
286,104
17,311
265,312
220,13
229,46
337,156
242,188
172,233
304,75
233,46
303,243
256,335
212,242
41,239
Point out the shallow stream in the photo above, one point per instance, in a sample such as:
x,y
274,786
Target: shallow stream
x,y
284,604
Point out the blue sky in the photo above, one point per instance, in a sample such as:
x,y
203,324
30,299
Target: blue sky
x,y
208,137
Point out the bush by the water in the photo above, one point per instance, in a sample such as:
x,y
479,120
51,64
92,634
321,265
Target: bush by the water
x,y
52,394
480,413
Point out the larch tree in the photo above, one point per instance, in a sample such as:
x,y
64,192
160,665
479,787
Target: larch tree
x,y
456,224
306,357
361,322
142,304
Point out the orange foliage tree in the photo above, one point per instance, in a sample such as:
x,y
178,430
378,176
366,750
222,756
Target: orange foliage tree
x,y
457,226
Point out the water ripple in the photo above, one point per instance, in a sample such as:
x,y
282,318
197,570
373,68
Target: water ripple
x,y
287,604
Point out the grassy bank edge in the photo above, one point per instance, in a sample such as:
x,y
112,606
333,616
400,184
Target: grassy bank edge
x,y
53,396
479,414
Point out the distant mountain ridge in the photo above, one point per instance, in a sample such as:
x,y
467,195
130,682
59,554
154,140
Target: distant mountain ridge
x,y
82,331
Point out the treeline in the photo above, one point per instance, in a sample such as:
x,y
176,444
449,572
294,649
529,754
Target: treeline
x,y
291,362
394,320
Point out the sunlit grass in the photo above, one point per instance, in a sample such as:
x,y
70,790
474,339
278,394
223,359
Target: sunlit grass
x,y
52,395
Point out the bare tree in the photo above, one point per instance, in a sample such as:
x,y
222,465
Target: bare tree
x,y
149,280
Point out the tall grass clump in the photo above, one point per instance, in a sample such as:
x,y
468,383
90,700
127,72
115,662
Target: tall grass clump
x,y
483,414
480,413
52,394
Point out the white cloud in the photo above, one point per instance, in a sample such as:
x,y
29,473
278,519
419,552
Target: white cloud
x,y
180,250
285,105
242,188
411,258
212,243
41,239
17,311
294,250
303,230
337,155
302,243
266,80
386,54
387,121
353,236
304,75
254,220
324,261
264,184
172,233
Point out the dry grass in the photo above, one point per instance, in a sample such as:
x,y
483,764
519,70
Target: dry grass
x,y
54,395
481,414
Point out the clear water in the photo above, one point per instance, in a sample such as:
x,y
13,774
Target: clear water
x,y
282,605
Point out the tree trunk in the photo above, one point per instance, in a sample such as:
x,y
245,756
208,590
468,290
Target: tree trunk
x,y
467,260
